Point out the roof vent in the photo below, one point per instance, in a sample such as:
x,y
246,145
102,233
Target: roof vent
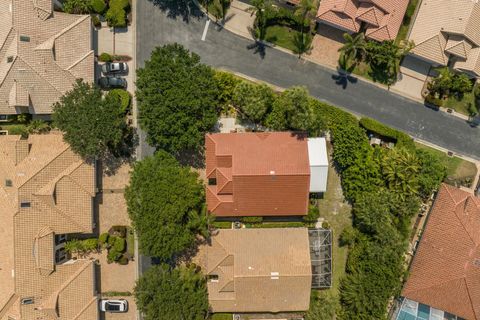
x,y
272,172
274,275
476,262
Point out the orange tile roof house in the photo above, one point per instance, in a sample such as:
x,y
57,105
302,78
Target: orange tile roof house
x,y
259,270
382,18
42,53
448,31
263,174
444,276
47,195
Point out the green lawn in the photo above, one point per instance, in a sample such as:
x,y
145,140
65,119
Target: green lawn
x,y
461,106
338,214
281,36
293,224
457,168
221,316
222,224
130,242
14,128
407,19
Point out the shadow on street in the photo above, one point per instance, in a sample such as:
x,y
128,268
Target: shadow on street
x,y
185,9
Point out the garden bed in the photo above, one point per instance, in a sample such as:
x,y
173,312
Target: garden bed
x,y
458,170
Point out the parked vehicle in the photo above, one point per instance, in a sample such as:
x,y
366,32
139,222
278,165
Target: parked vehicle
x,y
117,306
114,67
112,82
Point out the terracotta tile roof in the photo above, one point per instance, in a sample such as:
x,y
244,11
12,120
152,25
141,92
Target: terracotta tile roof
x,y
444,27
383,17
445,272
245,165
42,52
57,190
259,270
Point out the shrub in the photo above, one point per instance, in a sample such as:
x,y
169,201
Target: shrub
x,y
103,239
113,255
313,214
402,139
96,21
252,220
90,244
20,130
98,6
74,246
23,117
38,126
116,17
123,260
476,91
119,245
434,101
124,98
325,225
123,4
111,240
105,57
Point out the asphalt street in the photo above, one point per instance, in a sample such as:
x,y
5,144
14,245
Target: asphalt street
x,y
167,21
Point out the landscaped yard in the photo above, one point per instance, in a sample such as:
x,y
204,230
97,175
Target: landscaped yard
x,y
281,35
461,106
457,168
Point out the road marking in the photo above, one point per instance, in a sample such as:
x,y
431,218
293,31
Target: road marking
x,y
204,35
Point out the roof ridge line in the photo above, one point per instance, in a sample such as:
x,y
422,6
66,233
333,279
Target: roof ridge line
x,y
47,164
33,69
85,308
80,60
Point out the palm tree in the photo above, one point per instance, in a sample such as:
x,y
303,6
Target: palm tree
x,y
260,8
400,170
303,43
201,222
306,10
354,47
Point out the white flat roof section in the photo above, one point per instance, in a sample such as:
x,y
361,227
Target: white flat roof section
x,y
318,158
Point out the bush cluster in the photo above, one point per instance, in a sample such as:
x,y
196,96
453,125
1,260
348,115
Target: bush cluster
x,y
116,15
402,139
124,98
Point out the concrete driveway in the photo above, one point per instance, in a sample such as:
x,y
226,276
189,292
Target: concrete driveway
x,y
412,77
326,44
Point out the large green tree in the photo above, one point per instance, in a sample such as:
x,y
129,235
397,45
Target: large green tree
x,y
165,203
253,100
177,99
94,125
163,293
400,169
292,110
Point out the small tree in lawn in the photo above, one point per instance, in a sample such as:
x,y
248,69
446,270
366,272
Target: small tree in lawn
x,y
163,293
165,202
177,99
354,47
253,100
93,125
291,110
261,9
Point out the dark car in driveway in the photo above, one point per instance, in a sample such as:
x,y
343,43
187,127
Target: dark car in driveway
x,y
112,83
114,68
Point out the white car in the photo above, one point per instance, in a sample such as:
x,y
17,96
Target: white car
x,y
120,305
114,67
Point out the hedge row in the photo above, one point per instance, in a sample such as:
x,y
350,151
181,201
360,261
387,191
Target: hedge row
x,y
402,139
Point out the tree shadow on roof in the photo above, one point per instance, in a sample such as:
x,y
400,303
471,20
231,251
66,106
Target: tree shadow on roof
x,y
185,9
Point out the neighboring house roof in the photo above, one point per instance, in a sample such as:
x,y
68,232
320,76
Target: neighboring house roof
x,y
383,18
445,272
445,28
257,174
259,270
56,188
42,53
